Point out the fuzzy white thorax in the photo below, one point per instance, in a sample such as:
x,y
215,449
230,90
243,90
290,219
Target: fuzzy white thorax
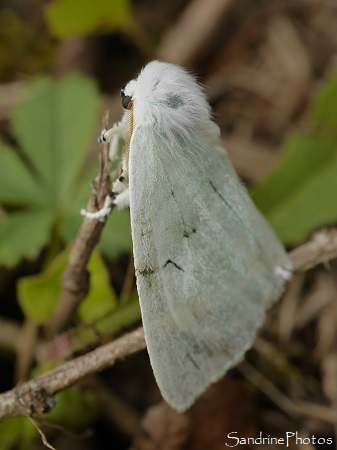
x,y
169,98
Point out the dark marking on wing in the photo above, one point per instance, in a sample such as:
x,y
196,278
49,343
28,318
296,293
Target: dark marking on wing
x,y
194,363
257,243
215,189
188,231
146,272
173,263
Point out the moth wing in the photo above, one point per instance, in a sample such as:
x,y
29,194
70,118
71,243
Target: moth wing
x,y
205,261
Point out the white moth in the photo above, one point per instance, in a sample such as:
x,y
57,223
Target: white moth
x,y
208,265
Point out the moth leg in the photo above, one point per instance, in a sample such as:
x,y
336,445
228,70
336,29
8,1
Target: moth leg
x,y
122,200
116,130
102,213
284,272
120,186
114,149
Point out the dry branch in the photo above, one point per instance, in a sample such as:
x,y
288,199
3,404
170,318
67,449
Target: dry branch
x,y
321,249
36,396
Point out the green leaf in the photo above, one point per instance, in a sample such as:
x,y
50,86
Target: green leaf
x,y
303,157
116,236
38,294
24,233
17,433
298,196
17,185
72,220
72,17
324,107
54,123
312,206
101,298
124,315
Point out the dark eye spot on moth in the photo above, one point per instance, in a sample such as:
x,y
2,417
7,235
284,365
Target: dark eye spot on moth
x,y
126,99
121,178
173,263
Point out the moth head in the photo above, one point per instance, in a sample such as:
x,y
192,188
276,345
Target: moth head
x,y
168,98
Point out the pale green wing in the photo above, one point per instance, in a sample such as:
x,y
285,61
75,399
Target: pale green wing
x,y
206,261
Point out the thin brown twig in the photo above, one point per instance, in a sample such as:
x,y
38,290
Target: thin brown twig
x,y
128,281
25,351
36,396
9,335
319,250
41,433
75,279
293,408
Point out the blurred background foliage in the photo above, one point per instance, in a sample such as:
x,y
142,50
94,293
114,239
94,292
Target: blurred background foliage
x,y
269,70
